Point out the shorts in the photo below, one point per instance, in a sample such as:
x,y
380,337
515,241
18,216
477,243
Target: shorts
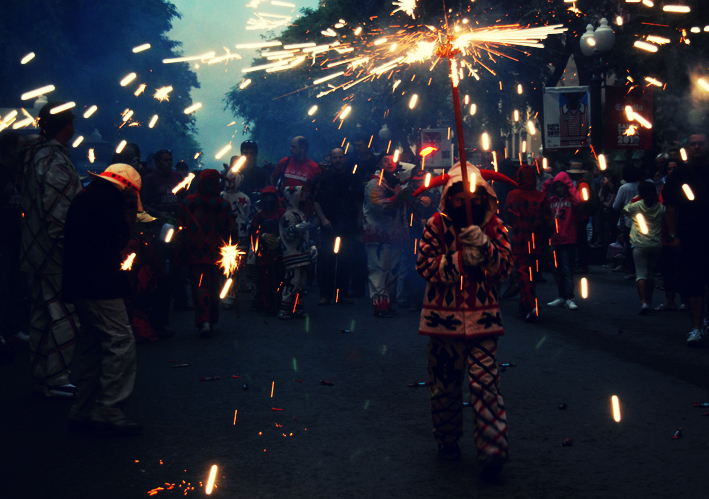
x,y
645,262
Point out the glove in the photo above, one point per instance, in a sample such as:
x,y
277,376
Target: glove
x,y
472,256
271,241
313,252
473,236
303,226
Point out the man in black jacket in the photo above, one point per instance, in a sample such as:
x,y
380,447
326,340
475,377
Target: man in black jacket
x,y
98,227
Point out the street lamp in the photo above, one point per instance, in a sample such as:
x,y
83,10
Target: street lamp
x,y
597,43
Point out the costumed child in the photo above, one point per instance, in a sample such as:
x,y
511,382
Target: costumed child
x,y
462,263
266,248
205,219
297,253
528,215
565,205
242,213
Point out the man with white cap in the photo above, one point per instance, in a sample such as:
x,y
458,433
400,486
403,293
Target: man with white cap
x,y
98,227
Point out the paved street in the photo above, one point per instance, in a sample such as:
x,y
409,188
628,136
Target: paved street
x,y
369,435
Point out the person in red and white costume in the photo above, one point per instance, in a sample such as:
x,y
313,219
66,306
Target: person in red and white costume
x,y
297,169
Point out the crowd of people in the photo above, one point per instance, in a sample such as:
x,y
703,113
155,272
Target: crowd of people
x,y
109,260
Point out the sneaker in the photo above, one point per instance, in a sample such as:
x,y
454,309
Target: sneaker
x,y
530,317
204,330
644,309
683,307
619,268
663,307
68,391
695,337
284,316
22,336
571,305
559,302
449,452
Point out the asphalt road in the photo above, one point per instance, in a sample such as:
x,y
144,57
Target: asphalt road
x,y
369,435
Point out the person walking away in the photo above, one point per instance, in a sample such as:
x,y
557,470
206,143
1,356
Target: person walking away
x,y
98,227
587,208
384,233
564,202
626,193
297,252
266,246
338,204
646,214
206,221
528,215
49,184
670,253
687,209
462,263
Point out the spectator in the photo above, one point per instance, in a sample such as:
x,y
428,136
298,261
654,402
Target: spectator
x,y
609,218
265,245
206,221
586,208
255,177
384,232
687,226
242,213
182,168
130,155
297,252
626,193
670,253
49,185
645,238
366,161
12,281
162,203
564,202
98,227
338,204
298,169
528,214
464,324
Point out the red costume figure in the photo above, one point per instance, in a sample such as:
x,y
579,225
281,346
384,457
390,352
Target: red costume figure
x,y
265,244
205,219
528,213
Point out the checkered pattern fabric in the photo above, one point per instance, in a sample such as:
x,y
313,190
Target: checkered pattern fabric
x,y
54,326
206,225
526,267
461,300
49,184
447,358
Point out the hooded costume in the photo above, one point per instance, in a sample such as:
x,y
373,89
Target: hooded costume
x,y
462,317
528,215
241,208
265,245
297,253
205,219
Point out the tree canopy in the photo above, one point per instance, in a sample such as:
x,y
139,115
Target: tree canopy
x,y
275,105
84,48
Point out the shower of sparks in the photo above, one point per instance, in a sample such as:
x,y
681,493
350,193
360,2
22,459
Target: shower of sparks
x,y
163,93
230,258
406,6
127,114
203,57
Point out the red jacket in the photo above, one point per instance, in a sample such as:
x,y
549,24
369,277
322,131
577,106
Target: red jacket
x,y
528,213
565,210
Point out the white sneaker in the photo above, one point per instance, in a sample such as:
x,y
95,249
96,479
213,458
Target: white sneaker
x,y
571,305
559,302
204,330
22,336
695,337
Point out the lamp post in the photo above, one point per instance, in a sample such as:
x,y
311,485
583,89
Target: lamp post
x,y
597,43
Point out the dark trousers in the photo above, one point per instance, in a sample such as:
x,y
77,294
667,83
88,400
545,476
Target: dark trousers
x,y
328,260
360,269
206,281
563,273
526,267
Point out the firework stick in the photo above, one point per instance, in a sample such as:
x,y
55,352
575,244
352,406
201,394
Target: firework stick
x,y
461,142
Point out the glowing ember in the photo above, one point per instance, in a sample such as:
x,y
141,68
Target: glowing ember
x,y
245,83
427,181
516,115
345,112
90,111
128,263
185,184
602,162
519,89
168,236
703,83
208,55
679,9
683,154
153,120
141,48
641,223
532,129
27,58
92,156
163,93
225,289
688,192
584,288
412,102
337,244
78,141
36,93
193,108
584,194
223,151
127,114
427,150
273,384
127,79
210,480
645,46
473,179
406,6
631,131
615,403
396,155
473,109
312,110
121,145
486,141
238,164
140,89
